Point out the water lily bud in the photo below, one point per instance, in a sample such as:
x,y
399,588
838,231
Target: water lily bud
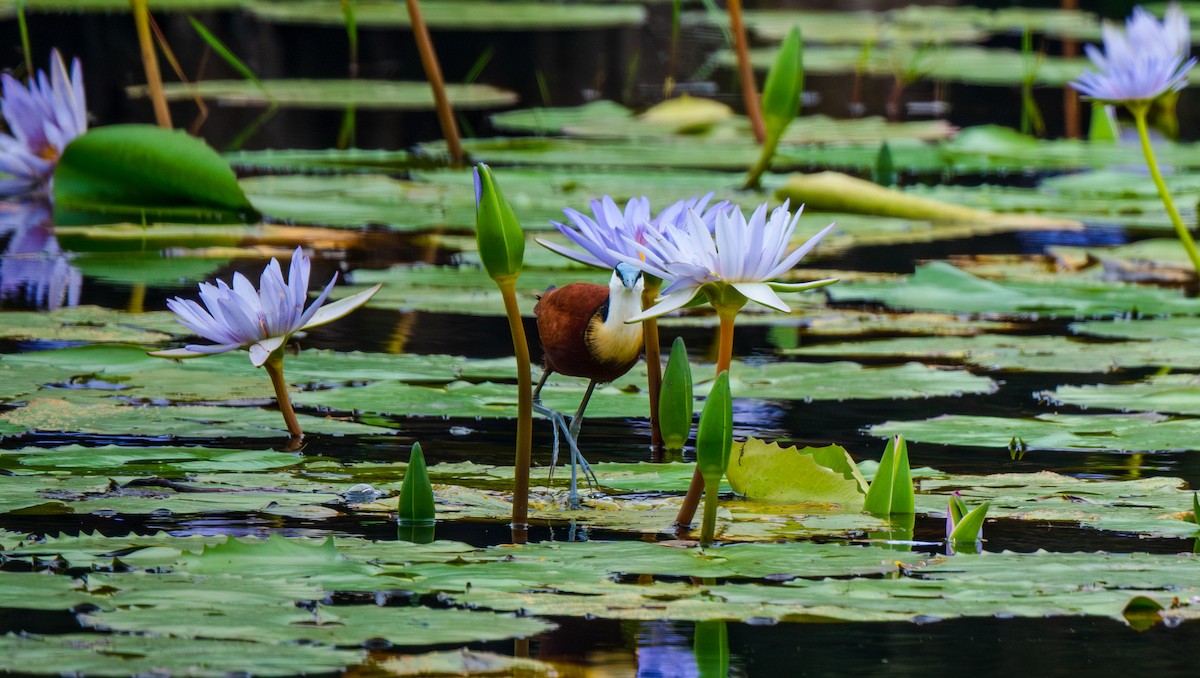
x,y
675,401
892,490
501,241
416,493
785,84
714,437
885,169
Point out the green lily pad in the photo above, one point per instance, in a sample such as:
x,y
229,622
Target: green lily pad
x,y
974,65
456,15
321,161
609,120
1067,432
770,472
152,460
1168,333
1166,393
333,94
51,414
119,6
1019,352
123,655
939,286
88,323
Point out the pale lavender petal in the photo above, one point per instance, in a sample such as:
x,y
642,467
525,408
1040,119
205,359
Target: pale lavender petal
x,y
763,294
581,257
340,308
305,320
672,302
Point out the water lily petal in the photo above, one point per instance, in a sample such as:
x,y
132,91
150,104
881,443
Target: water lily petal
x,y
260,351
763,294
671,302
339,308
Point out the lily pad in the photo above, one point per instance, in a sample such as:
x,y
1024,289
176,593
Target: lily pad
x,y
456,15
939,286
1166,393
770,472
333,94
51,414
1066,432
88,324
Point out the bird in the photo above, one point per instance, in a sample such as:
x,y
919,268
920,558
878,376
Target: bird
x,y
584,334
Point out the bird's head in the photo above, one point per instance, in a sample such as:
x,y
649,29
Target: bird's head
x,y
626,277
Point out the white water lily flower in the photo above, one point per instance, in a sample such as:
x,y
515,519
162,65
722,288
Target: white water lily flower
x,y
1143,62
603,238
259,320
42,119
740,255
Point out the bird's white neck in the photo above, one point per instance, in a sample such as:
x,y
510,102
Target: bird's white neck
x,y
612,337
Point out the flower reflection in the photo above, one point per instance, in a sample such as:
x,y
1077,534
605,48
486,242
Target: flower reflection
x,y
34,271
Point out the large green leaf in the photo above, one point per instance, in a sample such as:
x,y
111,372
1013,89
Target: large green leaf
x,y
770,472
457,15
136,172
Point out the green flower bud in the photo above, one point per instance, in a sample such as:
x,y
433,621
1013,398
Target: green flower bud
x,y
675,401
501,240
714,437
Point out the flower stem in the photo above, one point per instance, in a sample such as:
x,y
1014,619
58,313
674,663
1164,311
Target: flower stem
x,y
754,177
141,20
709,522
274,367
687,510
741,47
433,71
524,453
1139,112
653,362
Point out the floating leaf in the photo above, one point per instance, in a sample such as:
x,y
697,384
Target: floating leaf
x,y
363,94
818,475
135,171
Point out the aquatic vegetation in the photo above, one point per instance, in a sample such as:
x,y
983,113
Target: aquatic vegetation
x,y
891,491
260,321
610,235
676,403
502,249
964,527
731,266
780,101
42,119
714,440
1138,67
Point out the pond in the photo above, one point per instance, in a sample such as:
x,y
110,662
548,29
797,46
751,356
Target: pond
x,y
1011,300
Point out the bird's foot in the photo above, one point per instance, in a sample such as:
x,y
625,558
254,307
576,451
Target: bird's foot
x,y
558,422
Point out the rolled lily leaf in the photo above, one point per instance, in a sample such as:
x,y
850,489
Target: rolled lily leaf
x,y
142,172
1196,507
969,528
416,493
675,402
497,231
1103,128
892,490
784,85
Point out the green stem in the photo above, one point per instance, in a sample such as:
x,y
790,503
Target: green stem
x,y
687,510
520,519
653,362
1139,112
433,71
274,367
25,49
709,523
754,177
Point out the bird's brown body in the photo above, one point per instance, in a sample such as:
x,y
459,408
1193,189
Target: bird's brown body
x,y
570,321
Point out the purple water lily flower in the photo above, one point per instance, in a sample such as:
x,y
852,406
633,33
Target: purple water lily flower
x,y
742,255
42,119
1145,61
603,236
259,320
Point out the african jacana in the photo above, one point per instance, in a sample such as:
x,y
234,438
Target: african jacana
x,y
583,332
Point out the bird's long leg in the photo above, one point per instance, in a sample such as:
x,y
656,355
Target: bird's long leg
x,y
576,424
557,420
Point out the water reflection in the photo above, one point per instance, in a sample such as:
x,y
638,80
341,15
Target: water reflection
x,y
34,270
